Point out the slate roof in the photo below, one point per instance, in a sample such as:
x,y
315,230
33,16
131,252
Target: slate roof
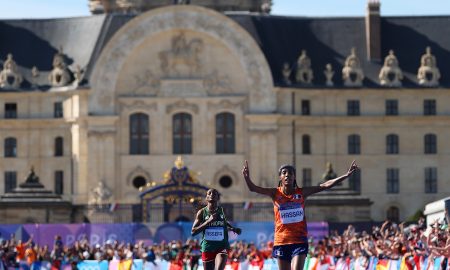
x,y
326,40
329,40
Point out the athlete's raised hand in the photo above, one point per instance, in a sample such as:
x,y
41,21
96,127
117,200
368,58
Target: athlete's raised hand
x,y
353,168
246,171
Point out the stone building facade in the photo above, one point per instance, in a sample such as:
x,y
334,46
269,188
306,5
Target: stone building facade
x,y
112,99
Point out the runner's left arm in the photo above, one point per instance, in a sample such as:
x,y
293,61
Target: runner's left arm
x,y
330,183
234,229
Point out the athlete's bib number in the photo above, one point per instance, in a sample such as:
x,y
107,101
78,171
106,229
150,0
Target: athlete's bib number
x,y
291,213
214,234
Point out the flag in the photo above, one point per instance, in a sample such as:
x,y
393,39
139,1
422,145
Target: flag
x,y
383,264
113,207
247,205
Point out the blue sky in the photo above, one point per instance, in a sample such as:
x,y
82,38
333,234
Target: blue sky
x,y
71,8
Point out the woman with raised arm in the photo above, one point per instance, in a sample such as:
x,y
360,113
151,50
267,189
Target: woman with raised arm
x,y
212,222
291,235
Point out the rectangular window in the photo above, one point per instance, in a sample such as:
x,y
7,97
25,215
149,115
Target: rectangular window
x,y
353,107
10,110
392,180
306,110
391,107
10,181
58,110
307,177
59,182
429,107
431,180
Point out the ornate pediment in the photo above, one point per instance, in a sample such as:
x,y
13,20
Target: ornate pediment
x,y
182,60
182,105
10,76
428,73
391,74
352,73
135,105
225,105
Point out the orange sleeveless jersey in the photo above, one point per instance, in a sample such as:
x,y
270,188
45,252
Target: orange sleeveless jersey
x,y
290,220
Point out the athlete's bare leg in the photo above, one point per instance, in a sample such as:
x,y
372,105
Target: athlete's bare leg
x,y
221,261
298,262
209,265
284,265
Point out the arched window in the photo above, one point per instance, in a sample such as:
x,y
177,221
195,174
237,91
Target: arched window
x,y
392,144
430,144
225,139
182,133
354,144
59,146
393,214
139,134
10,147
306,145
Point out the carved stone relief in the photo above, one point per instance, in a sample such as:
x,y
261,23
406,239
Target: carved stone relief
x,y
102,134
138,105
182,105
428,73
59,76
352,74
225,105
304,72
217,84
146,84
183,58
391,74
10,76
106,74
329,74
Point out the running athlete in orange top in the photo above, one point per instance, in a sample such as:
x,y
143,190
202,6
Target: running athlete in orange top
x,y
291,235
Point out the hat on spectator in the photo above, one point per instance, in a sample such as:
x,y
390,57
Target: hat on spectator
x,y
109,242
97,246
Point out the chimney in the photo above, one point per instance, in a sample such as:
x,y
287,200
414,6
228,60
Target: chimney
x,y
373,30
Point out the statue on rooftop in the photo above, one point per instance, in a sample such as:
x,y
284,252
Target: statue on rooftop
x,y
428,73
10,76
391,74
352,73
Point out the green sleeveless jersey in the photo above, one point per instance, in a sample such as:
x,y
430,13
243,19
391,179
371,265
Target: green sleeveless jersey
x,y
215,236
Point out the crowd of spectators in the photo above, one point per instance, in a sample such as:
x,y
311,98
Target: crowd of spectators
x,y
389,241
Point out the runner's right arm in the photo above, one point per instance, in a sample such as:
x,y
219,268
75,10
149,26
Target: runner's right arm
x,y
200,225
254,188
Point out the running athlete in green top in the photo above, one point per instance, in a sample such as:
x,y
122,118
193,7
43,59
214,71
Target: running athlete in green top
x,y
212,222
